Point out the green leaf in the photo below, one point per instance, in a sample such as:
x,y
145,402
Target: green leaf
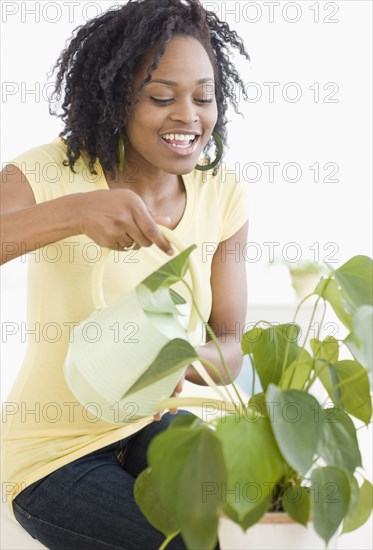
x,y
338,444
147,497
296,425
328,289
176,354
297,504
253,461
251,517
331,497
258,404
157,301
326,352
171,272
327,373
327,349
352,382
298,372
360,512
354,387
185,421
350,288
176,297
188,467
360,341
354,495
273,345
355,280
250,339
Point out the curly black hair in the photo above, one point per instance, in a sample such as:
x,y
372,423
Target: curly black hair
x,y
97,70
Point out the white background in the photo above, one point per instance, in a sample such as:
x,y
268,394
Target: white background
x,y
293,46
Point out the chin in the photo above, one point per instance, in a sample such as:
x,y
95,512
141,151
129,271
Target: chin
x,y
181,168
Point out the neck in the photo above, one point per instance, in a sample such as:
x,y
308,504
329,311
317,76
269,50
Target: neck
x,y
154,184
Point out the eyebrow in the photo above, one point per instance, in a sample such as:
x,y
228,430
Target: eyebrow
x,y
171,83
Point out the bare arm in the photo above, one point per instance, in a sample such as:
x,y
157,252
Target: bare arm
x,y
112,218
227,319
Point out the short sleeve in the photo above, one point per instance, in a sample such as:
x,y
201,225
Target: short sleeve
x,y
234,202
43,167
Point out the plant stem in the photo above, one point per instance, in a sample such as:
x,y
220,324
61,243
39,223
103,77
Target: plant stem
x,y
207,378
288,342
168,540
315,357
173,402
215,340
310,323
253,382
316,375
216,370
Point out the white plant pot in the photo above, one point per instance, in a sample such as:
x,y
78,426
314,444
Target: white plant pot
x,y
275,531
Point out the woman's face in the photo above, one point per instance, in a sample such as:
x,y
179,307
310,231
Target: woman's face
x,y
176,112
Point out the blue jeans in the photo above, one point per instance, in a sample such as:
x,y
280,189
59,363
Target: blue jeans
x,y
89,504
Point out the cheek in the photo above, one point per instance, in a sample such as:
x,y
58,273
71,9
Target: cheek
x,y
212,116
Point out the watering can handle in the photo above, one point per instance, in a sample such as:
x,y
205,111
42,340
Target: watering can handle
x,y
98,272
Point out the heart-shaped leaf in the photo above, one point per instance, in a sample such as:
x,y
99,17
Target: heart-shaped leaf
x,y
298,372
328,289
355,281
327,349
360,512
251,517
360,341
171,272
173,356
331,498
275,349
157,301
350,288
347,384
338,444
253,461
188,467
295,417
147,497
297,504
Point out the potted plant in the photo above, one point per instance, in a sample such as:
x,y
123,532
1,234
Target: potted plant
x,y
304,276
291,449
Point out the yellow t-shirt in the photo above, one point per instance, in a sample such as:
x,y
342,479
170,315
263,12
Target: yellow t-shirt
x,y
44,427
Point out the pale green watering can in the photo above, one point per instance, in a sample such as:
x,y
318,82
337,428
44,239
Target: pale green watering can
x,y
122,381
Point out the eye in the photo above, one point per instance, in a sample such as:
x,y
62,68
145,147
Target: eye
x,y
161,101
204,101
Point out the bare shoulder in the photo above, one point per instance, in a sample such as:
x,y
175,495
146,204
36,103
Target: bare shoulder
x,y
15,189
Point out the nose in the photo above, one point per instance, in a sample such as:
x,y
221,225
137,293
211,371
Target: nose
x,y
184,111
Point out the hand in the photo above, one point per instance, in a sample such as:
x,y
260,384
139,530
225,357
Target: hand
x,y
177,390
118,217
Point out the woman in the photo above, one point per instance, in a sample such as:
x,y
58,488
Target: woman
x,y
146,86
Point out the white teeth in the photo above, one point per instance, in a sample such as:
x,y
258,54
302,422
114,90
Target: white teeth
x,y
179,137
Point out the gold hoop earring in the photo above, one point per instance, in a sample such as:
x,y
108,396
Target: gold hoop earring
x,y
121,152
219,147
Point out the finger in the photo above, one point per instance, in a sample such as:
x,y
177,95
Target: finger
x,y
179,386
126,241
152,233
173,411
162,220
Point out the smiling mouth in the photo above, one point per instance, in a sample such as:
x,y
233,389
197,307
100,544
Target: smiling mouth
x,y
182,144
